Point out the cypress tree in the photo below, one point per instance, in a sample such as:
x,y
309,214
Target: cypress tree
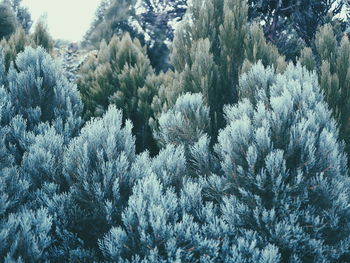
x,y
41,36
209,49
334,76
287,170
96,165
7,21
36,98
121,74
40,112
13,46
42,93
22,14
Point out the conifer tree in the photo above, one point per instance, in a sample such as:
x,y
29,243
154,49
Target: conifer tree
x,y
209,49
97,166
43,93
186,122
162,226
39,113
7,21
156,227
307,59
287,170
13,46
257,48
42,161
41,36
121,74
334,76
37,97
292,24
167,219
25,236
22,14
111,18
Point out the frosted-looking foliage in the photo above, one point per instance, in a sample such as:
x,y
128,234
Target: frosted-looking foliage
x,y
2,68
160,225
287,168
156,227
97,164
24,236
185,122
39,92
43,160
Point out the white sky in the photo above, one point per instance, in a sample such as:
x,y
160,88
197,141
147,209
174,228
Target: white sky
x,y
66,19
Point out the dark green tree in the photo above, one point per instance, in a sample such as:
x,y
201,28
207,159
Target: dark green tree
x,y
111,18
334,76
121,74
22,14
151,22
288,23
13,46
41,36
211,47
8,21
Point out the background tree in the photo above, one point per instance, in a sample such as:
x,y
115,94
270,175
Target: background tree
x,y
41,36
210,48
307,59
7,21
20,39
289,23
332,63
22,14
121,74
13,46
152,23
111,18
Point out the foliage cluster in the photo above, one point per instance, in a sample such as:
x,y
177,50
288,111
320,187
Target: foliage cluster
x,y
234,155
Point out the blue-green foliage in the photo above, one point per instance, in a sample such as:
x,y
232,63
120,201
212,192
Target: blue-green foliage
x,y
2,68
39,113
185,122
25,236
39,92
280,151
42,162
163,225
14,191
274,188
156,227
97,165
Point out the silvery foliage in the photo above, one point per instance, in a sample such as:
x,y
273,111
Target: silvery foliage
x,y
286,167
39,92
